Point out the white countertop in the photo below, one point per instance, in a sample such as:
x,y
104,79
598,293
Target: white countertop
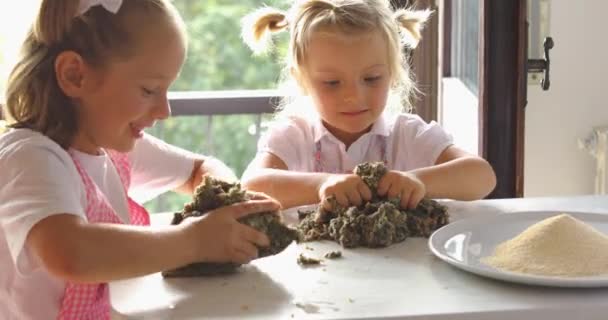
x,y
403,281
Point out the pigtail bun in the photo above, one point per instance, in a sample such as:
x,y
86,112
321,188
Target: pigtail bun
x,y
258,25
411,22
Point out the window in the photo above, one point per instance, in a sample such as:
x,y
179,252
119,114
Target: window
x,y
217,58
225,123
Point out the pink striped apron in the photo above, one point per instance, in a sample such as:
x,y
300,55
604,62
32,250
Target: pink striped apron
x,y
92,301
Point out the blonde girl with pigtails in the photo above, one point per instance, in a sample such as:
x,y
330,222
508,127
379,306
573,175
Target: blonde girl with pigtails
x,y
92,76
347,60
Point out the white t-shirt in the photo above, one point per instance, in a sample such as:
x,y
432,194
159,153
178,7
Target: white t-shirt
x,y
38,179
405,140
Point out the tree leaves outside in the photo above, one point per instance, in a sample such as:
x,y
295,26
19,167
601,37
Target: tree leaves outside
x,y
219,60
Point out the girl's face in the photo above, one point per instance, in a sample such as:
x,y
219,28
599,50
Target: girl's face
x,y
348,78
127,96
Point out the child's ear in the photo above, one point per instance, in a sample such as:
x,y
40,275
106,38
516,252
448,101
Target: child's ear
x,y
70,72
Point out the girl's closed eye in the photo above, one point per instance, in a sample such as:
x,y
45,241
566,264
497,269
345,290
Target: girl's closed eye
x,y
373,79
146,92
331,83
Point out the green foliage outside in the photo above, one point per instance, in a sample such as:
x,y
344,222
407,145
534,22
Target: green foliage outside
x,y
219,60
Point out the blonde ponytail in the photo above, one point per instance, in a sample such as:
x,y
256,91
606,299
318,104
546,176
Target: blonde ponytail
x,y
412,22
54,21
32,81
257,26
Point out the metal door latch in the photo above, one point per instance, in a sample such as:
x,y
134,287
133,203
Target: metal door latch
x,y
542,65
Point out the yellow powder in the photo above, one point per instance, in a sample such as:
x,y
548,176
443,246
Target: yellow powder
x,y
557,246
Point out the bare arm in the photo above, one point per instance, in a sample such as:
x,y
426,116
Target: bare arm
x,y
457,175
206,166
84,252
269,174
74,250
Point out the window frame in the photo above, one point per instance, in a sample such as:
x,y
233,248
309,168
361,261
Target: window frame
x,y
222,102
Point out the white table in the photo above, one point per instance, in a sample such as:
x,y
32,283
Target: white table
x,y
403,281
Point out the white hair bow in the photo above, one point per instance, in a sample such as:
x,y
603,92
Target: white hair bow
x,y
110,5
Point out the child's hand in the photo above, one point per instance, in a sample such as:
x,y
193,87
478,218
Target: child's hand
x,y
348,189
219,237
403,185
254,195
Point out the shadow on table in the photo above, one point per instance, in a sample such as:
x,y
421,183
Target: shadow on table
x,y
247,293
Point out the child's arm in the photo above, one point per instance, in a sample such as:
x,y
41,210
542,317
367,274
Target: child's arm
x,y
74,250
268,174
157,167
455,175
206,166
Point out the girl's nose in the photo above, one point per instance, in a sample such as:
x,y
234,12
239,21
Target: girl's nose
x,y
352,94
349,100
163,109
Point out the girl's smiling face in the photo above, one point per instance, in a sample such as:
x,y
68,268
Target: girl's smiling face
x,y
348,78
124,97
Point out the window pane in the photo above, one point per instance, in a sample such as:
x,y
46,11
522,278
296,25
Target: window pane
x,y
217,57
219,60
231,138
465,43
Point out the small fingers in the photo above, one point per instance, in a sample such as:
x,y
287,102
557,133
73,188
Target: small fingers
x,y
364,191
247,248
262,196
384,185
326,204
396,191
415,198
243,209
258,195
251,235
354,198
406,195
342,199
241,257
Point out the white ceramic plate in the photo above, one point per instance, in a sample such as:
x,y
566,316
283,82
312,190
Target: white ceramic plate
x,y
464,243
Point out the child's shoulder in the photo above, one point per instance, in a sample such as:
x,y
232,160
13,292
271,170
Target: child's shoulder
x,y
289,130
410,126
411,129
25,138
291,125
403,122
28,157
404,119
25,143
